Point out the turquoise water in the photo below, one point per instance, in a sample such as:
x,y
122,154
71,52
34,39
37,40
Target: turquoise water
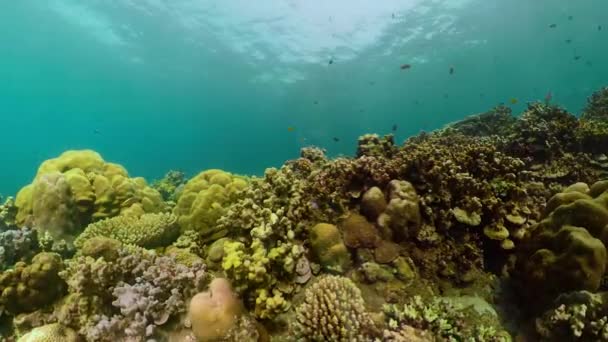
x,y
191,85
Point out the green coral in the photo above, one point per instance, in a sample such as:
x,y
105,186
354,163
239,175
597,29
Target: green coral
x,y
333,310
28,287
148,230
446,321
204,199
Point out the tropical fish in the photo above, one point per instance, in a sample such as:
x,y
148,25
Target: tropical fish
x,y
568,41
451,70
548,97
316,102
553,26
405,66
394,127
291,129
331,61
336,139
96,131
576,58
513,100
599,27
570,17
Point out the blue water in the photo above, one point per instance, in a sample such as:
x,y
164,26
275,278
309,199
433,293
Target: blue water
x,y
157,85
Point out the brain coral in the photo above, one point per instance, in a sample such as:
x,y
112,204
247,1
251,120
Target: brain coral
x,y
79,187
147,230
204,200
566,251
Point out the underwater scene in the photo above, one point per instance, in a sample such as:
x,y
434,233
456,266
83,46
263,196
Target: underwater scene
x,y
290,170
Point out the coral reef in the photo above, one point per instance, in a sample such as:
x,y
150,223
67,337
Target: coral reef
x,y
147,230
77,188
204,199
295,253
333,310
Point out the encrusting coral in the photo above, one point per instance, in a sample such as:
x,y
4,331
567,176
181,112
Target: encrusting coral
x,y
77,188
147,230
333,310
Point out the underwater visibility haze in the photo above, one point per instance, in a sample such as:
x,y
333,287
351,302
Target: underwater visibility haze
x,y
284,170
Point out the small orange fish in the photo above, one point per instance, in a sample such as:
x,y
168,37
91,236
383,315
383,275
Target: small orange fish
x,y
513,100
291,129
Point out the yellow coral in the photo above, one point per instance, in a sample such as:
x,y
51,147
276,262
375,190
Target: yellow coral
x,y
95,190
204,200
148,230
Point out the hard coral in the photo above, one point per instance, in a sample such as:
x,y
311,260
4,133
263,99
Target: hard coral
x,y
148,230
50,333
17,245
333,310
79,187
128,298
28,287
575,316
204,199
328,247
566,250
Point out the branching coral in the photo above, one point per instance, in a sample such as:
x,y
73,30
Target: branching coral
x,y
576,316
267,219
443,320
148,230
333,310
128,297
17,245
